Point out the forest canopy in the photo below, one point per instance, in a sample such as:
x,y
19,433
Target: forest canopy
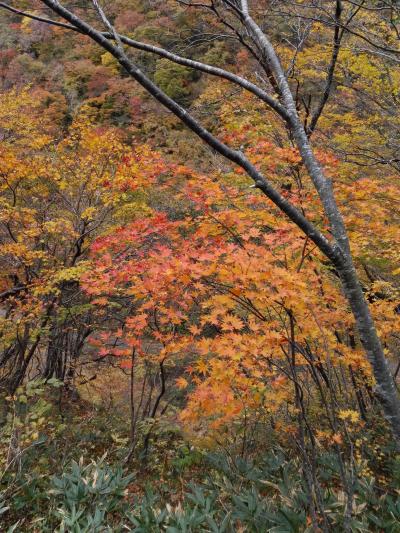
x,y
199,266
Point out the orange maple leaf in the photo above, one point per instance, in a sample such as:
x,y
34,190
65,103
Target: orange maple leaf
x,y
231,323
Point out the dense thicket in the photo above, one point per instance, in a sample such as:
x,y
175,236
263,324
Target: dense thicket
x,y
199,246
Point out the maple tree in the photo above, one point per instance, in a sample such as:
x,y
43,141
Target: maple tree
x,y
338,251
52,209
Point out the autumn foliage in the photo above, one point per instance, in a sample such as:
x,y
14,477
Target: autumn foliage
x,y
140,268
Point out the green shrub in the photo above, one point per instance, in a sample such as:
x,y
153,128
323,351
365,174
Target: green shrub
x,y
87,496
175,80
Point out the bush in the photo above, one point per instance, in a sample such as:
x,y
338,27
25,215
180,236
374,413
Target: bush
x,y
174,80
87,497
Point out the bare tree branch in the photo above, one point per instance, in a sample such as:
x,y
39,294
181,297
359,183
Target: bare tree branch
x,y
36,17
175,58
237,157
337,38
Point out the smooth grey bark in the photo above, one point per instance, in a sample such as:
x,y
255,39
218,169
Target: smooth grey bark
x,y
385,386
338,252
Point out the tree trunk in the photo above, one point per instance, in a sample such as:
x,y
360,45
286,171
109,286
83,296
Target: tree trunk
x,y
338,251
385,386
